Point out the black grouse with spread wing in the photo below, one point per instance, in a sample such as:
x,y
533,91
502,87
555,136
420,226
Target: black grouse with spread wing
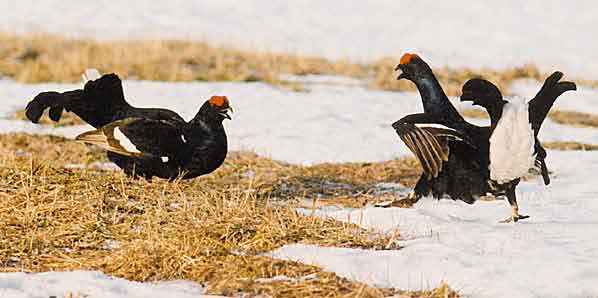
x,y
142,141
464,161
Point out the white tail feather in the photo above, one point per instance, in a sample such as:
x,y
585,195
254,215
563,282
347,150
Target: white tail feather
x,y
512,143
90,74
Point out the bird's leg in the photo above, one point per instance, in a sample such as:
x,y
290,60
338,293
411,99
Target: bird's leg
x,y
515,216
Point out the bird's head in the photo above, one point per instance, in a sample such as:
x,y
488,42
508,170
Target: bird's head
x,y
411,67
220,107
481,92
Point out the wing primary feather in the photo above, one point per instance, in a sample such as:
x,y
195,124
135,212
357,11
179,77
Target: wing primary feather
x,y
411,143
427,147
429,144
434,144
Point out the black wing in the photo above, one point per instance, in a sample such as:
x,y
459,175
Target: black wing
x,y
429,144
540,161
138,137
540,105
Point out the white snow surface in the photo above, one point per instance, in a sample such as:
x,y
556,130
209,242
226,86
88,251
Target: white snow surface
x,y
550,34
329,123
91,284
554,253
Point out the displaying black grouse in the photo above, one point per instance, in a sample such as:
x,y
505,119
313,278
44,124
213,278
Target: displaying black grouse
x,y
464,161
142,141
514,126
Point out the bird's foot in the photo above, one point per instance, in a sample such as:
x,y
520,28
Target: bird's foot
x,y
514,218
405,202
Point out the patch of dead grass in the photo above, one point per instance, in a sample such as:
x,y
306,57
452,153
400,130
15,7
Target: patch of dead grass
x,y
474,113
567,146
50,58
45,58
210,230
574,118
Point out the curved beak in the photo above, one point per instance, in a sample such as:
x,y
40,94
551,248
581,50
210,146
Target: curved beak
x,y
224,112
402,74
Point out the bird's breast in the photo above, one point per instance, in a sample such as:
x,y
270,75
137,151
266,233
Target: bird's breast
x,y
512,143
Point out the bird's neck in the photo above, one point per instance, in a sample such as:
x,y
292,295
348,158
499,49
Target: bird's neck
x,y
495,110
433,96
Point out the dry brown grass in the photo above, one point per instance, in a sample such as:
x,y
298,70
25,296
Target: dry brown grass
x,y
45,58
570,146
474,113
574,118
211,230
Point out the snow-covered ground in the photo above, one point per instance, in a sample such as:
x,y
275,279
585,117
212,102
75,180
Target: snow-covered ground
x,y
551,34
554,253
79,284
330,123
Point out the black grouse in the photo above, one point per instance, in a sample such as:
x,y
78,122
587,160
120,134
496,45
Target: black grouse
x,y
514,125
144,142
457,156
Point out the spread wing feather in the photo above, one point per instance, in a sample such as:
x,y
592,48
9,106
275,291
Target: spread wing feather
x,y
137,137
429,144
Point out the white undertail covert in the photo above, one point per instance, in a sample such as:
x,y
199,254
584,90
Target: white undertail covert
x,y
90,74
512,143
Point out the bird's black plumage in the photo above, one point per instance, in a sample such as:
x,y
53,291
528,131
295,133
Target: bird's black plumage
x,y
464,173
484,93
449,170
142,141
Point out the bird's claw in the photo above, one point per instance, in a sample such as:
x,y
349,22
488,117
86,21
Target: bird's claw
x,y
514,218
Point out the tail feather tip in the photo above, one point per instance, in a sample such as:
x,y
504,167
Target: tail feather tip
x,y
90,74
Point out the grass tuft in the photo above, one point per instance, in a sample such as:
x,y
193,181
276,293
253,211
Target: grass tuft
x,y
574,118
568,146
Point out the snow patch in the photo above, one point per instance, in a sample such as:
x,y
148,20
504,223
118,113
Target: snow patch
x,y
465,245
91,284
